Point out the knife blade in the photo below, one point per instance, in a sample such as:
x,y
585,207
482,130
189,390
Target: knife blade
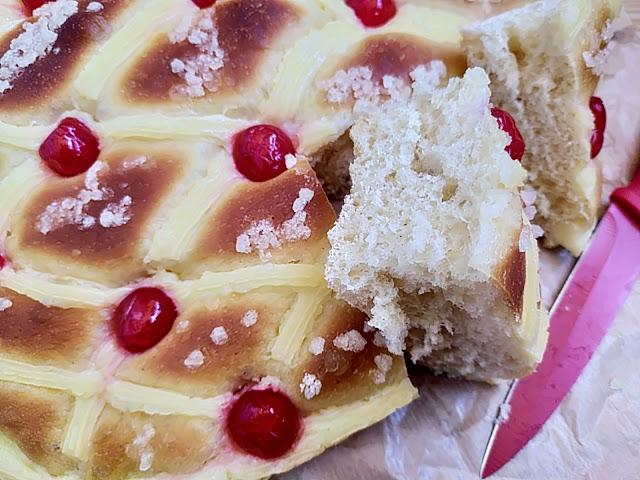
x,y
579,319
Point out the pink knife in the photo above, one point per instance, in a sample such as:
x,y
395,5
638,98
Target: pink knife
x,y
586,307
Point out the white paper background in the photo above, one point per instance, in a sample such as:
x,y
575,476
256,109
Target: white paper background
x,y
595,433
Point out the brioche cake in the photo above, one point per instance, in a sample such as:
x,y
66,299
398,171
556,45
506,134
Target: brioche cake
x,y
544,61
163,307
434,240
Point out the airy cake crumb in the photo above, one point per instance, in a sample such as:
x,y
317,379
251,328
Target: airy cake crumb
x,y
200,73
250,318
5,303
316,346
352,341
219,336
36,41
310,386
194,360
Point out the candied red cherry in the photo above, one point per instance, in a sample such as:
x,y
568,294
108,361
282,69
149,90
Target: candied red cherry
x,y
373,13
31,5
204,3
3,261
259,152
264,423
70,149
599,125
144,318
508,124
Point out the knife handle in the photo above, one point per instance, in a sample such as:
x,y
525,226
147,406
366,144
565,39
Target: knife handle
x,y
628,198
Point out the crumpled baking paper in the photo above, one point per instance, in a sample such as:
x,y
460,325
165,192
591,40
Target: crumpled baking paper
x,y
594,434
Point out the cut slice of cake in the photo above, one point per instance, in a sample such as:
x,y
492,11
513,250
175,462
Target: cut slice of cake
x,y
544,60
433,241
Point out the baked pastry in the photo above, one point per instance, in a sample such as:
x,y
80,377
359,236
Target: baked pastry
x,y
434,242
163,310
544,61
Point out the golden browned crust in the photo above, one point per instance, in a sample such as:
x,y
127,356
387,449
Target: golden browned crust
x,y
39,85
273,200
112,249
179,444
35,418
398,54
246,28
511,277
227,366
343,373
33,332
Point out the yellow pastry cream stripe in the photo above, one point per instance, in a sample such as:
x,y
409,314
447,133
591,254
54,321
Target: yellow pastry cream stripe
x,y
27,137
174,237
533,322
14,464
57,291
299,70
162,127
85,415
129,397
128,41
84,384
322,429
16,186
295,326
251,278
444,26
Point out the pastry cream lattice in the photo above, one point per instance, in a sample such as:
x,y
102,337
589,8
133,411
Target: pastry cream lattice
x,y
75,405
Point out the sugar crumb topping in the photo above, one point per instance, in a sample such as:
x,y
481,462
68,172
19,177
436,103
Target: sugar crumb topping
x,y
194,360
200,72
94,7
116,214
36,40
262,235
136,162
71,210
384,363
250,318
352,341
5,303
182,326
316,346
357,83
219,336
379,340
142,448
290,161
310,386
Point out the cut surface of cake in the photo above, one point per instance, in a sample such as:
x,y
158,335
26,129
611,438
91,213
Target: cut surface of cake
x,y
544,61
163,307
433,242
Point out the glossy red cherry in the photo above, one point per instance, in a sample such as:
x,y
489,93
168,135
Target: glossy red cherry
x,y
599,125
204,3
373,13
31,5
3,261
70,149
508,124
144,318
259,152
264,423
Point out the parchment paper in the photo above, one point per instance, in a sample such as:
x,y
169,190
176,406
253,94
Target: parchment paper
x,y
595,433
